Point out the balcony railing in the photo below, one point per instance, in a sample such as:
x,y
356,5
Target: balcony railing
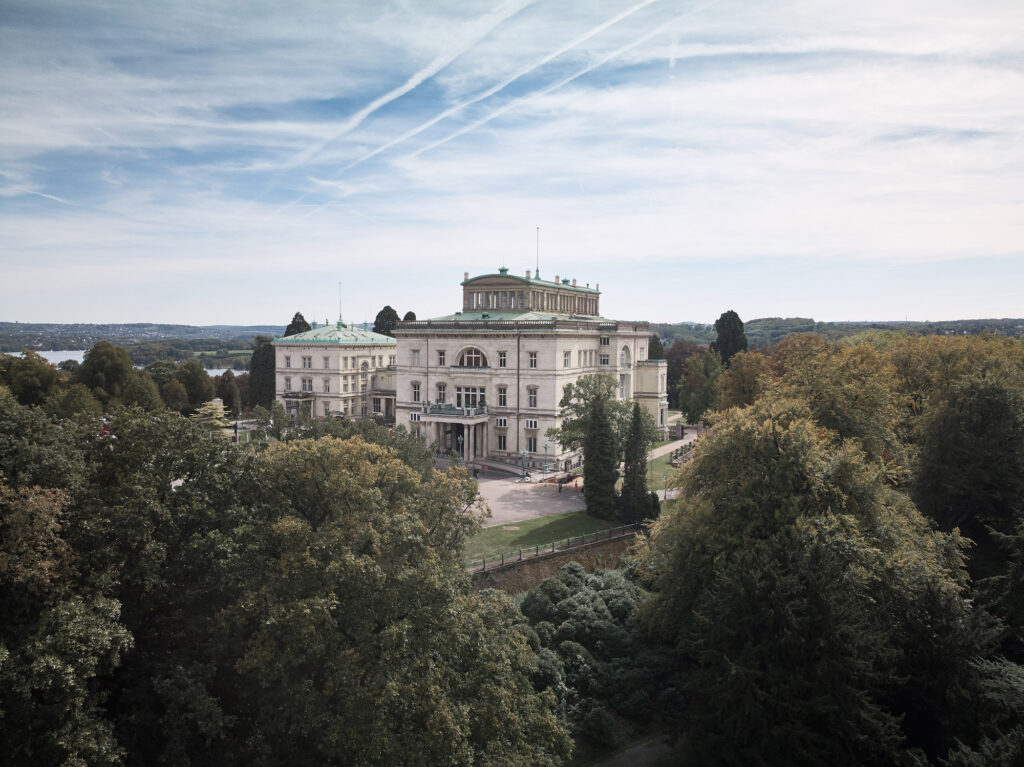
x,y
447,409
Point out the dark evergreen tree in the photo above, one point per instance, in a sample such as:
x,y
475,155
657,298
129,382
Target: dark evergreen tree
x,y
635,502
970,472
228,392
655,351
731,338
385,321
676,357
410,316
106,370
261,373
601,462
297,325
197,383
143,392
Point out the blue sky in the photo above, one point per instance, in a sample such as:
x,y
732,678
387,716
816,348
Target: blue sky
x,y
233,162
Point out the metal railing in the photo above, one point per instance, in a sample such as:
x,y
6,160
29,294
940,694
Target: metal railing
x,y
504,558
455,411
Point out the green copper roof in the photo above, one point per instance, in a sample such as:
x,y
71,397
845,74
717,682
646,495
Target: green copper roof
x,y
564,284
336,334
495,316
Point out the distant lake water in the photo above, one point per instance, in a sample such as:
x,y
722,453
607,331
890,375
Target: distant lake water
x,y
57,357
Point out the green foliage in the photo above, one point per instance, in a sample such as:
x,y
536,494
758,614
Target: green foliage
x,y
970,471
74,401
635,501
577,405
590,652
142,391
197,382
385,322
850,390
744,380
676,357
211,418
409,316
30,377
731,339
261,373
307,602
106,370
601,462
175,396
227,391
821,619
655,351
297,325
698,386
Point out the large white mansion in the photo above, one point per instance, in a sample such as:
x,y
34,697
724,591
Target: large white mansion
x,y
484,382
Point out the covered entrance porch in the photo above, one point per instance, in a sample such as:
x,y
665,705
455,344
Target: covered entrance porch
x,y
457,431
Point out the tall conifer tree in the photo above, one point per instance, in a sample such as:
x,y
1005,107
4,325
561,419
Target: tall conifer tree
x,y
601,468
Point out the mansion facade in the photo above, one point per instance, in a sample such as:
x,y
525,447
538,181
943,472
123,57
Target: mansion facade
x,y
336,371
485,382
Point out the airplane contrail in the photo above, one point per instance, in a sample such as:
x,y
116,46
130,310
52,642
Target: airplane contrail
x,y
502,85
565,81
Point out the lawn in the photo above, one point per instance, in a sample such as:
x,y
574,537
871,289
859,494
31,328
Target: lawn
x,y
491,541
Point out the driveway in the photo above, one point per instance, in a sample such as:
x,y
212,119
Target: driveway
x,y
513,501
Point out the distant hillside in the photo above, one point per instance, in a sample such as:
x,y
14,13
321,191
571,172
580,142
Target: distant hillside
x,y
769,330
16,336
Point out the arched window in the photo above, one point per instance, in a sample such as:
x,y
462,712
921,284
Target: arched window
x,y
472,358
624,357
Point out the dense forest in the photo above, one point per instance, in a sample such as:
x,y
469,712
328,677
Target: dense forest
x,y
837,582
770,330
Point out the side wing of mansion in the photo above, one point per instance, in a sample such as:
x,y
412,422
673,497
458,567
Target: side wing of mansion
x,y
485,382
335,371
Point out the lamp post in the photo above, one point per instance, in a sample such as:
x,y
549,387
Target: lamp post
x,y
545,457
524,454
664,486
459,440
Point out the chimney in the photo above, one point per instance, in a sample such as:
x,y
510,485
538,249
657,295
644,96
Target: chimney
x,y
467,276
527,274
556,279
574,282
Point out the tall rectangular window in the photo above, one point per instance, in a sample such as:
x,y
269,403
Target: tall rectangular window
x,y
415,356
531,397
501,442
327,385
566,359
287,361
605,341
307,384
440,358
415,392
287,383
533,359
442,390
502,396
376,405
604,359
501,359
327,408
531,444
327,362
307,362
